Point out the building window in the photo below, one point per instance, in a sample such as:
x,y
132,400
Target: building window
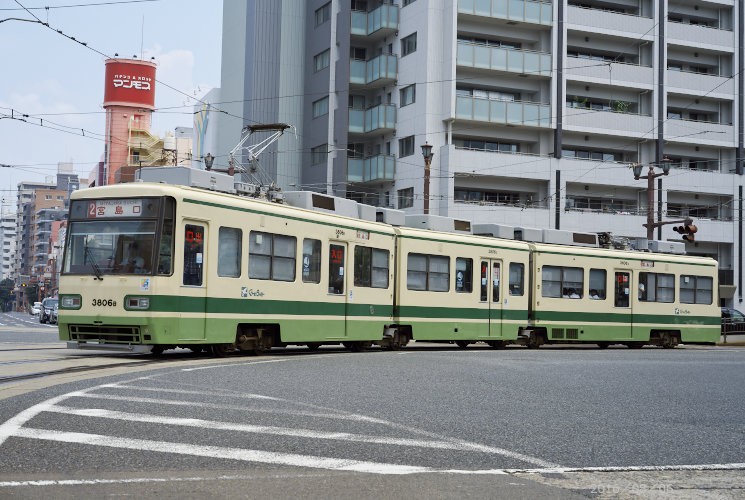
x,y
408,2
358,53
323,14
357,101
408,95
47,196
406,198
321,61
318,154
408,45
406,146
321,107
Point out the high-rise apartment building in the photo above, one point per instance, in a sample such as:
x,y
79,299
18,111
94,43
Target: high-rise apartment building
x,y
535,110
7,239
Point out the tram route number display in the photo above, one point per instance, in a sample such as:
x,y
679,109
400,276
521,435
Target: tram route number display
x,y
114,208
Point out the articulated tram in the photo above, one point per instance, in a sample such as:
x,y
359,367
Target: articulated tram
x,y
149,267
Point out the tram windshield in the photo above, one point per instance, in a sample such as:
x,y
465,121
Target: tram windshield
x,y
120,236
110,247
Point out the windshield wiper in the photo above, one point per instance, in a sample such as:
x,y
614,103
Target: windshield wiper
x,y
94,264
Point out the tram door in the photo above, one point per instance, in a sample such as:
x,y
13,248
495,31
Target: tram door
x,y
491,292
193,291
337,287
622,299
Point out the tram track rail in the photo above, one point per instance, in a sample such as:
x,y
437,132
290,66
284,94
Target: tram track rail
x,y
5,379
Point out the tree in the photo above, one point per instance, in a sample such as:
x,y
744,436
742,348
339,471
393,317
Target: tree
x,y
6,286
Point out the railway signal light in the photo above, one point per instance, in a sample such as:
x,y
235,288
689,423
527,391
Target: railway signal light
x,y
687,230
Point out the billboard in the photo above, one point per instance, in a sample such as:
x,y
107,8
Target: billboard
x,y
129,82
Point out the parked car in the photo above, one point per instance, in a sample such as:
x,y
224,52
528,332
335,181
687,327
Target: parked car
x,y
46,308
36,308
733,322
53,315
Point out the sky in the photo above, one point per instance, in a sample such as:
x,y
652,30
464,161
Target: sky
x,y
59,83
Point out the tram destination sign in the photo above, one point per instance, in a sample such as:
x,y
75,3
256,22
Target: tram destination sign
x,y
115,208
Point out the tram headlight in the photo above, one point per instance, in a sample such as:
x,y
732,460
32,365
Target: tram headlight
x,y
140,303
70,301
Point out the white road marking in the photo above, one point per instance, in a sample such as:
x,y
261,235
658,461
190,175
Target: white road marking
x,y
268,457
262,429
182,391
232,364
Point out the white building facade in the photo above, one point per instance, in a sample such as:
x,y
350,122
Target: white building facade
x,y
536,110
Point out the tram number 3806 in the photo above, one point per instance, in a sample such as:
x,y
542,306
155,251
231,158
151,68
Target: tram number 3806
x,y
103,303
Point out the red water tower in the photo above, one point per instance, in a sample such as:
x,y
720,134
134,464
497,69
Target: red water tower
x,y
129,100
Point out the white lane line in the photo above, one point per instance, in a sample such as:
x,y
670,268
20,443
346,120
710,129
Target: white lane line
x,y
631,468
299,413
260,429
233,364
79,482
183,391
268,457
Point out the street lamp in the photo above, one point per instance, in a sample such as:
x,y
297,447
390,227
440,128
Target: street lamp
x,y
428,154
651,176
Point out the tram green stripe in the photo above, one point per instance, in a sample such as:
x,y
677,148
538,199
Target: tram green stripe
x,y
219,305
283,216
666,319
459,313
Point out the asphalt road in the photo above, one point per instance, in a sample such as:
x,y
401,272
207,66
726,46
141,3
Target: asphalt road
x,y
429,421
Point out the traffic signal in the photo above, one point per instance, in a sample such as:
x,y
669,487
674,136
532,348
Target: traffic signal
x,y
686,230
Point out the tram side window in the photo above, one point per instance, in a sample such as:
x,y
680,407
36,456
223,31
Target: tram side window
x,y
598,282
271,256
517,278
463,275
193,254
229,252
696,289
311,261
370,267
564,282
165,252
656,287
428,272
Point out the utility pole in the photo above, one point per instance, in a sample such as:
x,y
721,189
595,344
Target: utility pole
x,y
651,176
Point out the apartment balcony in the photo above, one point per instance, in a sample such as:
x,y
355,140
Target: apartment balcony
x,y
526,11
700,132
691,35
628,75
494,163
608,122
523,62
377,72
685,82
585,19
373,170
528,114
378,23
379,119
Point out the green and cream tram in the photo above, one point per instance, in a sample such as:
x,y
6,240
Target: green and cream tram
x,y
149,267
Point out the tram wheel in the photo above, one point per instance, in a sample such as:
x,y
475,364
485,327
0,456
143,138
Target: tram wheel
x,y
462,343
313,346
497,344
635,345
157,350
603,345
196,349
669,341
357,346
